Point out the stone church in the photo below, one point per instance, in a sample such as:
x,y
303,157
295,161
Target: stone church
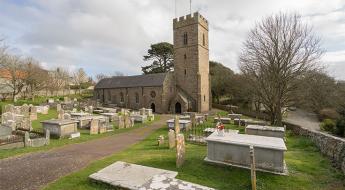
x,y
186,89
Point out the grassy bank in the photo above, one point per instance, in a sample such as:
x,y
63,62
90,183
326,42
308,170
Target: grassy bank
x,y
308,169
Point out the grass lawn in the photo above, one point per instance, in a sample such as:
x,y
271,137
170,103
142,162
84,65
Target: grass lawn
x,y
84,136
308,169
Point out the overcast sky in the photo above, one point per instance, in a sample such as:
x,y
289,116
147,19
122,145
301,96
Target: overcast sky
x,y
105,36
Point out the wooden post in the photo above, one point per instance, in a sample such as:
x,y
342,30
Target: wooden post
x,y
252,164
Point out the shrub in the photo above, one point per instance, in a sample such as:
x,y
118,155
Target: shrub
x,y
328,125
340,127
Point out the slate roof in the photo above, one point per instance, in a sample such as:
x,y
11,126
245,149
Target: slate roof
x,y
132,81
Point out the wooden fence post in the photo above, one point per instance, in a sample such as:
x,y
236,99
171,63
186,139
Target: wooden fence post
x,y
252,164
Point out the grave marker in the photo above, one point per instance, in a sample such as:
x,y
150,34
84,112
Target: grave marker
x,y
172,138
180,150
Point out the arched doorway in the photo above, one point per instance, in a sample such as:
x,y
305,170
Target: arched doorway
x,y
153,107
178,107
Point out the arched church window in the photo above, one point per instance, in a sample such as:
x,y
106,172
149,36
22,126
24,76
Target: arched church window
x,y
203,39
185,56
137,98
122,99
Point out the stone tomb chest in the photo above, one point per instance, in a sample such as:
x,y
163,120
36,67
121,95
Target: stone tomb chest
x,y
184,124
233,149
139,118
267,131
111,115
60,127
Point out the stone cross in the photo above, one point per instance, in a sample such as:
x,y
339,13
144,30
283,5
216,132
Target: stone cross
x,y
177,125
180,150
94,127
252,167
160,140
172,138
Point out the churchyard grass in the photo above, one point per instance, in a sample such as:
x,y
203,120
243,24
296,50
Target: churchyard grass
x,y
84,136
308,169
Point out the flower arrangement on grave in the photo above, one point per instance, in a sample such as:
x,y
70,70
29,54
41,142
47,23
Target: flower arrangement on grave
x,y
220,129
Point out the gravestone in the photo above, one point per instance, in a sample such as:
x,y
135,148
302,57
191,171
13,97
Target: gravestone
x,y
90,109
7,116
94,127
172,138
142,111
25,124
120,122
5,132
180,150
61,112
66,116
193,120
45,110
47,135
160,140
74,110
177,125
127,121
25,110
9,108
33,113
58,107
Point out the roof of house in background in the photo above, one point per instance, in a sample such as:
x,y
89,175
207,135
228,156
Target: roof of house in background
x,y
132,81
6,74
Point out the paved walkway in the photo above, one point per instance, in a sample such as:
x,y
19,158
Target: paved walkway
x,y
32,171
304,119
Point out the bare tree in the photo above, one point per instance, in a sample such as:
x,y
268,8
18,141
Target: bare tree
x,y
12,69
58,80
80,77
278,51
36,78
101,76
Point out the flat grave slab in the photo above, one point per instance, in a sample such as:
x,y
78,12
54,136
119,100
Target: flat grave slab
x,y
130,176
267,131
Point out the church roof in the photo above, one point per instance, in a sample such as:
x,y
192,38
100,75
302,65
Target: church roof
x,y
132,81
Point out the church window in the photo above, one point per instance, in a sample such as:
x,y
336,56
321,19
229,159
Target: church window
x,y
185,38
204,98
122,99
109,96
185,56
137,98
153,94
203,39
185,72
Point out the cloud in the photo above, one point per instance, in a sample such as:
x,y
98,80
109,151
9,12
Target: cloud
x,y
104,36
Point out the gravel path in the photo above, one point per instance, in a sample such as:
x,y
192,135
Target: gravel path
x,y
34,170
304,119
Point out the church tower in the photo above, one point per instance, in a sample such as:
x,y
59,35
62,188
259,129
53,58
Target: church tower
x,y
191,60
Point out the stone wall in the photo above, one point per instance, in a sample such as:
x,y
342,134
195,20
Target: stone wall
x,y
331,146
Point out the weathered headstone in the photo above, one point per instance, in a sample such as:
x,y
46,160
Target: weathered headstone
x,y
25,110
94,127
5,132
58,107
8,108
172,138
142,111
33,113
7,116
90,109
180,150
160,140
61,112
127,121
45,110
66,116
26,124
74,110
193,120
120,122
26,139
177,125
